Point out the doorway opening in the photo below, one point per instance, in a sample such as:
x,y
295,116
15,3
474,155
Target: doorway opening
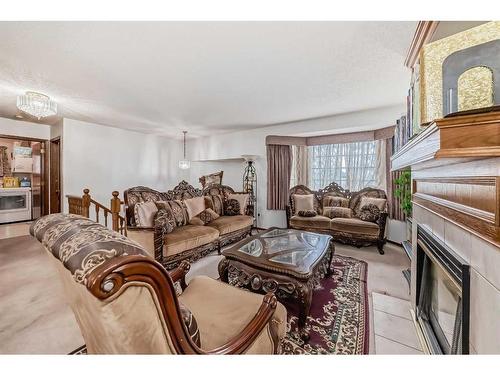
x,y
23,179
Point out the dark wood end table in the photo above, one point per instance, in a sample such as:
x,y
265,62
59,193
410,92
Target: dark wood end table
x,y
287,262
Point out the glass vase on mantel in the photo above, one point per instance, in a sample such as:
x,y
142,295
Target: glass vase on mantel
x,y
250,185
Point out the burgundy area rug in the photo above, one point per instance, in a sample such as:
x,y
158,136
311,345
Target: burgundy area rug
x,y
338,321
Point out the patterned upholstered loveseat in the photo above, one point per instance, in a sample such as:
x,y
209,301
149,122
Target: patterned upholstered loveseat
x,y
187,241
350,230
127,303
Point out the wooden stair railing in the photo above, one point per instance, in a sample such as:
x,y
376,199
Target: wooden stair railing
x,y
81,206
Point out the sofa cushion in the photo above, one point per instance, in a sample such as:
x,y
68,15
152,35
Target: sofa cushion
x,y
188,237
355,202
178,210
144,214
369,212
204,217
242,199
208,215
332,212
229,224
316,222
232,207
333,201
303,202
379,202
211,179
217,204
194,206
226,311
307,213
355,226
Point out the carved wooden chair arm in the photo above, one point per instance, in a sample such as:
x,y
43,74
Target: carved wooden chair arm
x,y
249,334
179,273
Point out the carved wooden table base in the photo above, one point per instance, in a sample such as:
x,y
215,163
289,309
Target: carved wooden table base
x,y
284,286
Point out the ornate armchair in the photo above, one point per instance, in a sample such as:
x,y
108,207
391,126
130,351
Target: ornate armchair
x,y
125,302
352,231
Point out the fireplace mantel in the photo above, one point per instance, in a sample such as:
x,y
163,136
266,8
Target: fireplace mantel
x,y
451,140
458,192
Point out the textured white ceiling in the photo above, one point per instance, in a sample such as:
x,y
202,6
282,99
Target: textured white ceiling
x,y
205,77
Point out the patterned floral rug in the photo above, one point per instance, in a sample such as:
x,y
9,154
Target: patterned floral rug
x,y
338,321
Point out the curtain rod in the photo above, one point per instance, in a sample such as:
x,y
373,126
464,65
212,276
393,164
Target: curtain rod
x,y
369,135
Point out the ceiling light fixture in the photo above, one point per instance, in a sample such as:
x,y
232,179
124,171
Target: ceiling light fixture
x,y
184,163
36,104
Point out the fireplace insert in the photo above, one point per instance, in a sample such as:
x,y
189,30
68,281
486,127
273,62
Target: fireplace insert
x,y
443,287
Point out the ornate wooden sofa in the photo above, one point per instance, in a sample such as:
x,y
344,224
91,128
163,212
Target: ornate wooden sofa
x,y
186,241
352,231
127,303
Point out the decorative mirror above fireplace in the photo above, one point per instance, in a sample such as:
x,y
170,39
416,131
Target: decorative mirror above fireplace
x,y
443,288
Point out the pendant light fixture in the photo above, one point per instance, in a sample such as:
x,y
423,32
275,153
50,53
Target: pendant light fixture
x,y
184,163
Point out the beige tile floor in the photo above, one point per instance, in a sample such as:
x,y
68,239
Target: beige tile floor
x,y
48,325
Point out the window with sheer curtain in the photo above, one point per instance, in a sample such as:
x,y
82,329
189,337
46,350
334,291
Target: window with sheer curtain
x,y
351,165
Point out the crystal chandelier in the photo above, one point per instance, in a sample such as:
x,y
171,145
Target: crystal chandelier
x,y
36,104
184,163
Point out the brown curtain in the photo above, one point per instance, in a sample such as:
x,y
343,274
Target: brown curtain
x,y
279,169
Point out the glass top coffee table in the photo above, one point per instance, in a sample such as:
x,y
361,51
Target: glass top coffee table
x,y
287,262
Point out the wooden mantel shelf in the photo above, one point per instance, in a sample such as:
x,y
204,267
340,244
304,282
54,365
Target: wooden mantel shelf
x,y
465,137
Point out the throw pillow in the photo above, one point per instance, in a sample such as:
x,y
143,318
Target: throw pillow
x,y
194,206
215,202
164,220
191,324
232,207
211,179
369,212
379,202
144,213
332,201
307,213
208,215
303,202
242,200
204,217
179,211
333,212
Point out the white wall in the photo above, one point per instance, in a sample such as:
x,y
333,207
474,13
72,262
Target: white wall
x,y
104,159
24,129
233,145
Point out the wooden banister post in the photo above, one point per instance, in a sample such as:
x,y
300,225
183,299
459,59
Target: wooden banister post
x,y
115,210
86,203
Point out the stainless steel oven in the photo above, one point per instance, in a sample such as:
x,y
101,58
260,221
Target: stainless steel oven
x,y
15,205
